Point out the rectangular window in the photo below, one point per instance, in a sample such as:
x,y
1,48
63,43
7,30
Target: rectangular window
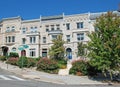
x,y
23,30
13,28
8,29
23,40
57,27
32,40
32,52
79,25
80,37
54,37
33,29
44,52
68,38
9,39
47,28
68,26
44,39
6,39
13,38
52,27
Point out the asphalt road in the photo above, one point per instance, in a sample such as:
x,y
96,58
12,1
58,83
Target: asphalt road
x,y
8,79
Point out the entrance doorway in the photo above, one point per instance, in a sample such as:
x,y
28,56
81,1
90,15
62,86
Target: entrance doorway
x,y
44,52
69,53
23,53
5,50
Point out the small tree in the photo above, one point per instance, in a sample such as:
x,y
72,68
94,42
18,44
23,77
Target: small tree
x,y
104,47
81,49
57,50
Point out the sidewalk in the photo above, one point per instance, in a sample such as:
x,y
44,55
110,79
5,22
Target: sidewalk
x,y
53,78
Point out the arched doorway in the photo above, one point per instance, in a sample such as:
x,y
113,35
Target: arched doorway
x,y
5,50
23,53
69,53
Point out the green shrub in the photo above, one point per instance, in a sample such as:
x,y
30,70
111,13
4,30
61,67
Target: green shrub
x,y
47,65
13,54
37,59
22,62
31,62
12,61
3,58
79,67
62,63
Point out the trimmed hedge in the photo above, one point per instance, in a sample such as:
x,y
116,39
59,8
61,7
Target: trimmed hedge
x,y
13,54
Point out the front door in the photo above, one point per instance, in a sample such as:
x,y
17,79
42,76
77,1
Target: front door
x,y
69,53
23,53
5,50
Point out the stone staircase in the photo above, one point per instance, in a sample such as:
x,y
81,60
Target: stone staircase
x,y
65,71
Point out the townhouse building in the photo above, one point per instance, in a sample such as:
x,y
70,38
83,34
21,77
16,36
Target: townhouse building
x,y
33,38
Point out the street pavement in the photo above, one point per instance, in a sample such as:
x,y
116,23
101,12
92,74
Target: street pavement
x,y
31,73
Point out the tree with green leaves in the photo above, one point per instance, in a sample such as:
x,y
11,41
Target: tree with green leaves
x,y
57,49
104,47
81,49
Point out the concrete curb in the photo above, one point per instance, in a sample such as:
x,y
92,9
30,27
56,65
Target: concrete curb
x,y
45,77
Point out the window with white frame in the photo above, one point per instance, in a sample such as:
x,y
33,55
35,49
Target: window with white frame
x,y
44,39
23,40
68,26
13,38
8,29
13,28
80,36
68,38
52,28
6,39
33,29
32,39
79,25
54,37
47,28
10,39
32,52
23,30
57,27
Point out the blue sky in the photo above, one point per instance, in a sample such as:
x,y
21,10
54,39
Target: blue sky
x,y
30,9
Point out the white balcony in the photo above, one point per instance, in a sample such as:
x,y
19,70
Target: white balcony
x,y
36,33
80,30
55,32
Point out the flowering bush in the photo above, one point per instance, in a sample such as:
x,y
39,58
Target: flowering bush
x,y
47,65
31,62
12,61
79,67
